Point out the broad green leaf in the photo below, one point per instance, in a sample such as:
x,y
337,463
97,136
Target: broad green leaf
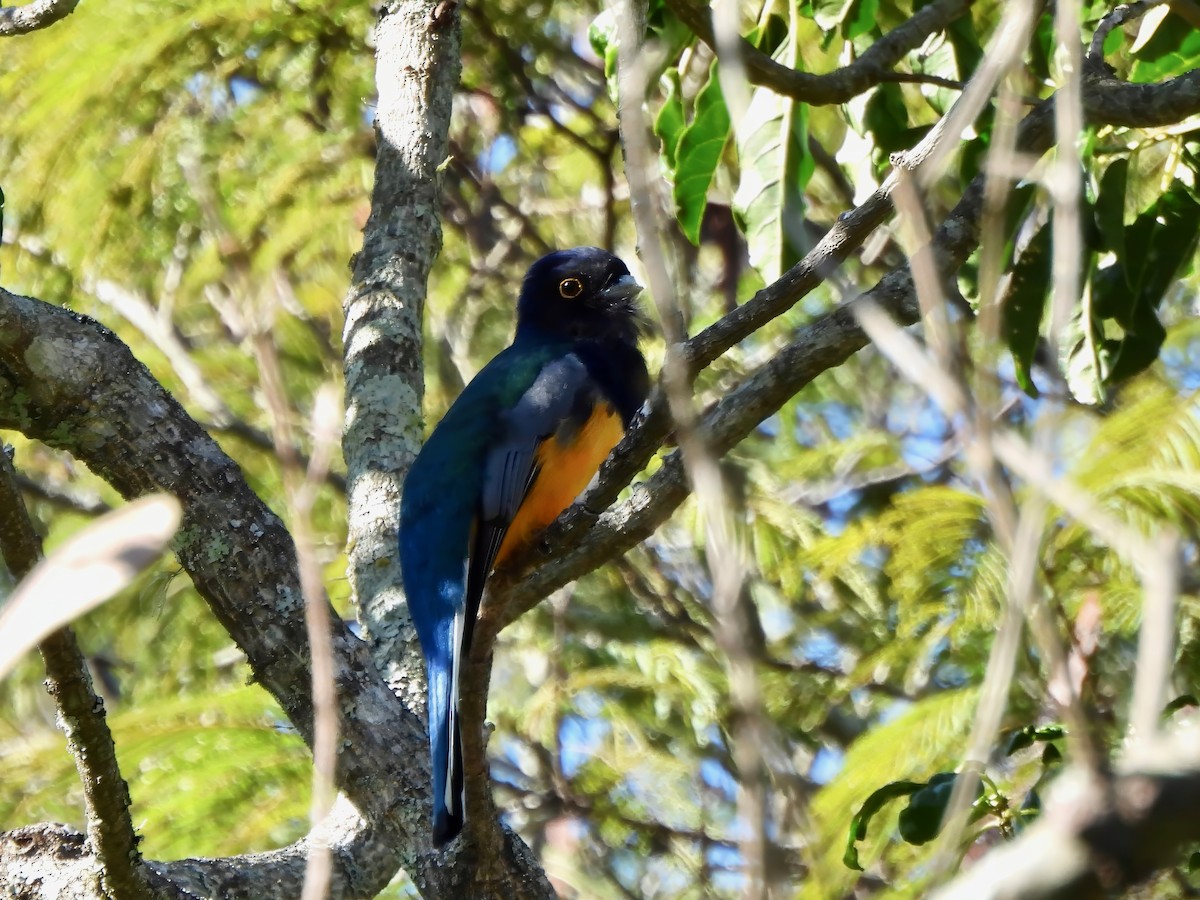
x,y
1025,304
886,117
1183,701
772,143
1110,207
669,123
967,48
921,819
1158,243
1172,51
862,16
672,36
852,17
1031,734
1083,358
872,805
699,151
602,35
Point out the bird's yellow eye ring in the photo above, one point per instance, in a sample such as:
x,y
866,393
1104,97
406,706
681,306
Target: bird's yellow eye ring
x,y
570,288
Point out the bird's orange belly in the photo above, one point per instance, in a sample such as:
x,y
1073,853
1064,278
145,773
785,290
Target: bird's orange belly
x,y
565,468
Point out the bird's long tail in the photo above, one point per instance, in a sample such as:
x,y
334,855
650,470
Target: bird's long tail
x,y
445,743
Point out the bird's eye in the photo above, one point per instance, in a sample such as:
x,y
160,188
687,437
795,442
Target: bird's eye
x,y
570,288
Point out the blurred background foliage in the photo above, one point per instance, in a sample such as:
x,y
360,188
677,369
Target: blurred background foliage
x,y
197,174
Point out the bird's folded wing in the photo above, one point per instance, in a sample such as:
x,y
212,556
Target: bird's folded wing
x,y
510,468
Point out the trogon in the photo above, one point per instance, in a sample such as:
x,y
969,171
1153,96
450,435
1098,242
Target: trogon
x,y
514,450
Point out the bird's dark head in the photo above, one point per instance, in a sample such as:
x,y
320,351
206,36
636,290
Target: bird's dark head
x,y
584,293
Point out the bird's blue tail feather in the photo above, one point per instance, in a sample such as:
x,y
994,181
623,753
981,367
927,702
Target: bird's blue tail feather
x,y
445,746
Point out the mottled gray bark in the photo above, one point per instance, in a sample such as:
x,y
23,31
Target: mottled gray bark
x,y
34,16
416,73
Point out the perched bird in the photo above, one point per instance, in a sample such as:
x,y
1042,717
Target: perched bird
x,y
514,450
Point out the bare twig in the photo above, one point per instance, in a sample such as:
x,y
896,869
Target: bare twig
x,y
300,487
1156,637
726,551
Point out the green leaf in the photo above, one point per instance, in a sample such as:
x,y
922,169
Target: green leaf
x,y
872,805
968,49
1031,808
852,17
1025,304
1051,756
861,17
772,144
1031,734
602,35
921,819
1155,247
669,123
1170,52
1110,206
886,117
699,151
665,27
1181,702
1083,358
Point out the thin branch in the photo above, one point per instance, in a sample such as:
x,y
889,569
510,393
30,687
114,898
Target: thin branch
x,y
1115,19
842,84
34,16
80,715
136,309
300,486
85,502
726,551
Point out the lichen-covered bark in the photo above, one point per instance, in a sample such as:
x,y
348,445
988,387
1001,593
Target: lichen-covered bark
x,y
417,67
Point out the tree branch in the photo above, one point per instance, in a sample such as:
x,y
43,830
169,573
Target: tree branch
x,y
417,66
33,16
418,62
80,715
65,866
873,67
72,384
